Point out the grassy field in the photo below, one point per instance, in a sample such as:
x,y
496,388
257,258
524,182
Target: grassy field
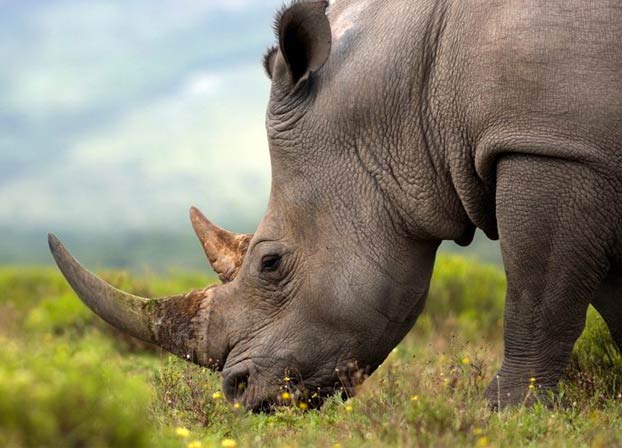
x,y
68,379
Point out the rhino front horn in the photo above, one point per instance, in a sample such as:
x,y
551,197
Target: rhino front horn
x,y
175,323
225,250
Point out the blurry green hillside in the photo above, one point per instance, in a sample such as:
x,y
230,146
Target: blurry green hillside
x,y
160,251
67,379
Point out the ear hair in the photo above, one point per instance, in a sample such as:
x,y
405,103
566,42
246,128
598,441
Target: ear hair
x,y
269,58
276,24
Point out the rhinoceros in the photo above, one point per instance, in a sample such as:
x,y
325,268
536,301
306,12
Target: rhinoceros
x,y
392,126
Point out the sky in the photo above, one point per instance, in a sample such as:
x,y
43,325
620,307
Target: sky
x,y
125,113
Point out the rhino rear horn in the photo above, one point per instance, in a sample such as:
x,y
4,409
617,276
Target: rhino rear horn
x,y
225,250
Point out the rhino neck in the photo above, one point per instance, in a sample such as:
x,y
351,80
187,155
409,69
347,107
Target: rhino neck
x,y
406,146
453,136
431,154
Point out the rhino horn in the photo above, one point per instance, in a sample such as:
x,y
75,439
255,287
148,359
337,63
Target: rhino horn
x,y
225,250
174,323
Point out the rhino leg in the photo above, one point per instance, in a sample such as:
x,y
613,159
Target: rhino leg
x,y
554,249
608,302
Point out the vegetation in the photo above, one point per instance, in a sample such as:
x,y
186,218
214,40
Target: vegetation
x,y
67,379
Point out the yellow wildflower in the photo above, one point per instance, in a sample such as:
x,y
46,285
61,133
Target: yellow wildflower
x,y
303,406
414,398
217,395
348,408
194,444
532,387
287,379
229,443
182,432
237,406
532,380
482,442
286,396
466,360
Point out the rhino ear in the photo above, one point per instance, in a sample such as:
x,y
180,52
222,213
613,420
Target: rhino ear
x,y
304,39
269,60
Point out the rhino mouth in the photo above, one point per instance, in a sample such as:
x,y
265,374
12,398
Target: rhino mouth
x,y
259,393
242,388
236,384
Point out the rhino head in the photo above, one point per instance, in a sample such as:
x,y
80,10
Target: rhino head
x,y
330,282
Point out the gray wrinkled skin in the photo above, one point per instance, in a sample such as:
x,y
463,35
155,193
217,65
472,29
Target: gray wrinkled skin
x,y
394,125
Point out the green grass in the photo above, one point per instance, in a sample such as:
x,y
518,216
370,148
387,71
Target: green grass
x,y
68,379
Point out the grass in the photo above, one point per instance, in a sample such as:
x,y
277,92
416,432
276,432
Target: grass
x,y
68,379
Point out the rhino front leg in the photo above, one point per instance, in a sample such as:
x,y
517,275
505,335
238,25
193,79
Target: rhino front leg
x,y
553,242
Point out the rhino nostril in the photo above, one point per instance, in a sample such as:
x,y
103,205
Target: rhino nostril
x,y
235,385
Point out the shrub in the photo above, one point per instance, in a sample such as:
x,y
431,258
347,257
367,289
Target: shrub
x,y
70,395
596,365
470,293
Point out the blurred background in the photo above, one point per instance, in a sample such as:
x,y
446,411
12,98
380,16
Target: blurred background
x,y
115,117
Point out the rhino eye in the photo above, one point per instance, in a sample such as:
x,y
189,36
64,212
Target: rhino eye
x,y
270,263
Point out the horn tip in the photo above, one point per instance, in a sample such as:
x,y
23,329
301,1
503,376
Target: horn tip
x,y
195,213
62,258
198,219
54,243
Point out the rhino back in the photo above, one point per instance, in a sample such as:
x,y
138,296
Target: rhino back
x,y
437,90
541,77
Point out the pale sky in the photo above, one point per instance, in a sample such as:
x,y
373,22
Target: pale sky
x,y
130,112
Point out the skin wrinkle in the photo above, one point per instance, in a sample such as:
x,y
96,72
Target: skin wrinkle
x,y
286,110
378,177
427,66
375,176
